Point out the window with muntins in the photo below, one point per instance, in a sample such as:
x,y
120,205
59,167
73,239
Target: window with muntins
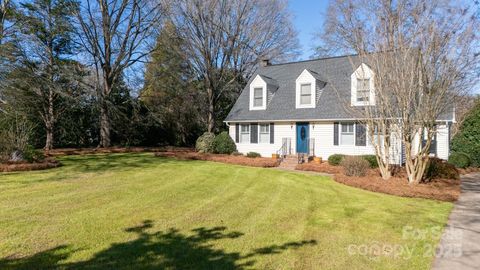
x,y
244,133
347,134
258,97
305,94
363,90
264,133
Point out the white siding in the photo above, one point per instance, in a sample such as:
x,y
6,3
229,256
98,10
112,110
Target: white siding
x,y
443,149
281,130
323,134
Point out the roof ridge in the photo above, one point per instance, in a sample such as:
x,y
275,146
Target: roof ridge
x,y
311,60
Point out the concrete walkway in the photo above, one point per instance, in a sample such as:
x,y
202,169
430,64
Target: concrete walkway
x,y
460,244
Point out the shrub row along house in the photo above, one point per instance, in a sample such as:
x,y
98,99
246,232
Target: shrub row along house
x,y
308,108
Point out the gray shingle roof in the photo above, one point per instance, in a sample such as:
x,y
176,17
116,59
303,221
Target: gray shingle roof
x,y
331,105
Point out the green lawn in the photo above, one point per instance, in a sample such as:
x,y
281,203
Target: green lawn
x,y
137,211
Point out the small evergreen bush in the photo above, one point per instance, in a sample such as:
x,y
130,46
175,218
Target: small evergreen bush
x,y
460,159
204,143
355,166
372,160
335,159
467,139
438,168
30,154
253,155
223,144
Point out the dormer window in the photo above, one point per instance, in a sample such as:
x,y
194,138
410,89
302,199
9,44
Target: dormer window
x,y
363,92
262,89
305,94
257,97
305,89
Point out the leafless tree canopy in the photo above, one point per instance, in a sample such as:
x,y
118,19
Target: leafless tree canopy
x,y
225,39
424,55
116,35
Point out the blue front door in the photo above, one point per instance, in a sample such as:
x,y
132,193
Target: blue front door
x,y
302,137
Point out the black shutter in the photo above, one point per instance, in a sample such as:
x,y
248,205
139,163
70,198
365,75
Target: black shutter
x,y
272,133
253,133
360,135
433,145
335,133
237,133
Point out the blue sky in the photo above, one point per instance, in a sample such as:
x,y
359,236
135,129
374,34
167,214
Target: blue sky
x,y
308,18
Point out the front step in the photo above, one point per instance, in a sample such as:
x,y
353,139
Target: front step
x,y
289,162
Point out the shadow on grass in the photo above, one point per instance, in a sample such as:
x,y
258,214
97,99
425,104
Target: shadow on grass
x,y
109,162
73,166
159,250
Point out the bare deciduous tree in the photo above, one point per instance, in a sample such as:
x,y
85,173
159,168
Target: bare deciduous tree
x,y
423,54
225,40
116,35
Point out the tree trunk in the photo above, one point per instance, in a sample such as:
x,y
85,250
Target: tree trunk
x,y
104,125
211,110
49,122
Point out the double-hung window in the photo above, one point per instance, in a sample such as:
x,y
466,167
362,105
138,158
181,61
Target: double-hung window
x,y
363,90
257,97
264,133
244,133
306,94
347,134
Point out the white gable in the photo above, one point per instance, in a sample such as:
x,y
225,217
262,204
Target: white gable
x,y
362,72
305,78
258,82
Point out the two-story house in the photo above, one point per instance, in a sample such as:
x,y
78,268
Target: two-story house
x,y
300,107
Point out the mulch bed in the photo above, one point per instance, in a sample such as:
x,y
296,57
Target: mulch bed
x,y
48,163
438,189
230,159
110,150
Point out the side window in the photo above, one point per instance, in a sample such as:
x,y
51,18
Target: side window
x,y
244,133
264,132
347,134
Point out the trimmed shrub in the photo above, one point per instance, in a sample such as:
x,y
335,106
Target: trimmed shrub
x,y
460,160
236,153
204,143
372,160
223,144
438,168
467,140
30,154
355,166
335,159
253,155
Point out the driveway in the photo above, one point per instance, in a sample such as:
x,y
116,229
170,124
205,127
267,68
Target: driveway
x,y
460,244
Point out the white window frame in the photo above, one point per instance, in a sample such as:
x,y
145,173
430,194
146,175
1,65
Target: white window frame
x,y
301,94
363,72
305,78
244,133
347,133
363,94
260,133
258,82
255,97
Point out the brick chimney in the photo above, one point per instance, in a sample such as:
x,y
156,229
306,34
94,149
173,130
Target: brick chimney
x,y
264,62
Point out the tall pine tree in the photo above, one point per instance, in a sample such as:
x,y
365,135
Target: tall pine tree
x,y
46,48
171,90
